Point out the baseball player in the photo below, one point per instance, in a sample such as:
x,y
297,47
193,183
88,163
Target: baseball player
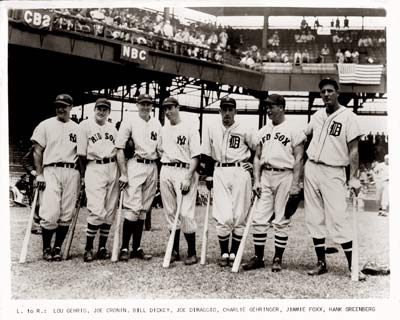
x,y
139,174
381,175
97,155
180,147
334,132
55,156
227,148
278,163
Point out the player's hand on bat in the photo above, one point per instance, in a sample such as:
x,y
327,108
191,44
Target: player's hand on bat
x,y
294,189
123,182
41,183
185,185
257,188
209,183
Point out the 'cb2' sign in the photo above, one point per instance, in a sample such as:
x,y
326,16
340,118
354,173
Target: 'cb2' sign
x,y
38,18
133,54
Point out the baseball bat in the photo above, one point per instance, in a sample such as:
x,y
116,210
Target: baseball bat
x,y
25,244
239,255
117,230
354,255
71,231
170,245
205,232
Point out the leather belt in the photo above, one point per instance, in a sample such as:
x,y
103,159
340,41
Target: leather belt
x,y
273,169
146,161
231,164
177,164
105,160
61,165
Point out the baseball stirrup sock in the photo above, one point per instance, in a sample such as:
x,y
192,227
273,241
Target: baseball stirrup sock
x,y
235,243
259,243
90,235
61,232
176,240
126,233
104,232
319,245
46,236
348,250
280,245
191,240
224,244
137,234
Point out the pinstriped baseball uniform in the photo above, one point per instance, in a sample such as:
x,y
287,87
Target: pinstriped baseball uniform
x,y
97,142
325,176
277,143
232,185
59,140
179,143
142,177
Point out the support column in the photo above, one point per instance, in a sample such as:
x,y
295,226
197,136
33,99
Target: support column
x,y
310,105
265,33
163,94
201,110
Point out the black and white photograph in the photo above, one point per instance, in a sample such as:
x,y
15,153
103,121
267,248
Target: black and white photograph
x,y
175,159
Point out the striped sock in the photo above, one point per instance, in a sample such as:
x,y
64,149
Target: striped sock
x,y
319,245
224,244
259,240
348,250
127,230
104,232
91,231
280,246
235,243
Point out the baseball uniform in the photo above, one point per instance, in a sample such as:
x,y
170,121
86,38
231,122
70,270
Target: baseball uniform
x,y
381,175
97,145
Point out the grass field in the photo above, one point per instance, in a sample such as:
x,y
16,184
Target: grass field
x,y
74,279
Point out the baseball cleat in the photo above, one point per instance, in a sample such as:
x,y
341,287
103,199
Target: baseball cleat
x,y
254,263
88,256
276,265
124,255
175,257
224,262
232,257
103,254
56,254
139,253
191,260
47,254
319,269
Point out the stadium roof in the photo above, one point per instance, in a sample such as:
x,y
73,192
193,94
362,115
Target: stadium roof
x,y
291,11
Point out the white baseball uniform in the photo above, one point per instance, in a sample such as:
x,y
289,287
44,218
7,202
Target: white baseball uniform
x,y
325,176
381,175
232,183
59,140
142,176
179,144
97,143
277,161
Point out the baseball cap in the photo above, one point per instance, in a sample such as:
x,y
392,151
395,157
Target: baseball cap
x,y
276,99
170,101
64,99
103,102
228,101
144,97
328,80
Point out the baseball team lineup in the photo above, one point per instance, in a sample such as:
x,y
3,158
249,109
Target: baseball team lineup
x,y
254,180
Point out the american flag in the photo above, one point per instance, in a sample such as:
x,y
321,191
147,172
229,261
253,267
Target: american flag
x,y
360,73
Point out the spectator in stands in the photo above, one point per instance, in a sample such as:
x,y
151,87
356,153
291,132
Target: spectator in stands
x,y
303,37
310,37
346,22
297,58
347,56
285,56
355,56
64,22
167,29
303,24
223,38
81,23
247,61
336,39
365,41
212,40
347,39
305,56
272,56
274,40
324,53
337,24
332,23
297,36
218,57
381,41
339,56
316,23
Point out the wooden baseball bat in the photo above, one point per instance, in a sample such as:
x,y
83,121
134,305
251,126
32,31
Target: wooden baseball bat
x,y
205,232
25,244
239,255
170,245
71,231
354,256
117,229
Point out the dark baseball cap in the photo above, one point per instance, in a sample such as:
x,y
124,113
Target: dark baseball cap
x,y
328,80
276,99
145,98
103,102
170,101
64,99
228,101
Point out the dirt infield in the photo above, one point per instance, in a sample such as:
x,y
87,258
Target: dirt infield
x,y
74,279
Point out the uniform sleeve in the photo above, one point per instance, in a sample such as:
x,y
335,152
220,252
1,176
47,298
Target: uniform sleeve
x,y
194,142
160,149
353,129
123,134
39,135
206,143
251,139
298,136
82,139
308,130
